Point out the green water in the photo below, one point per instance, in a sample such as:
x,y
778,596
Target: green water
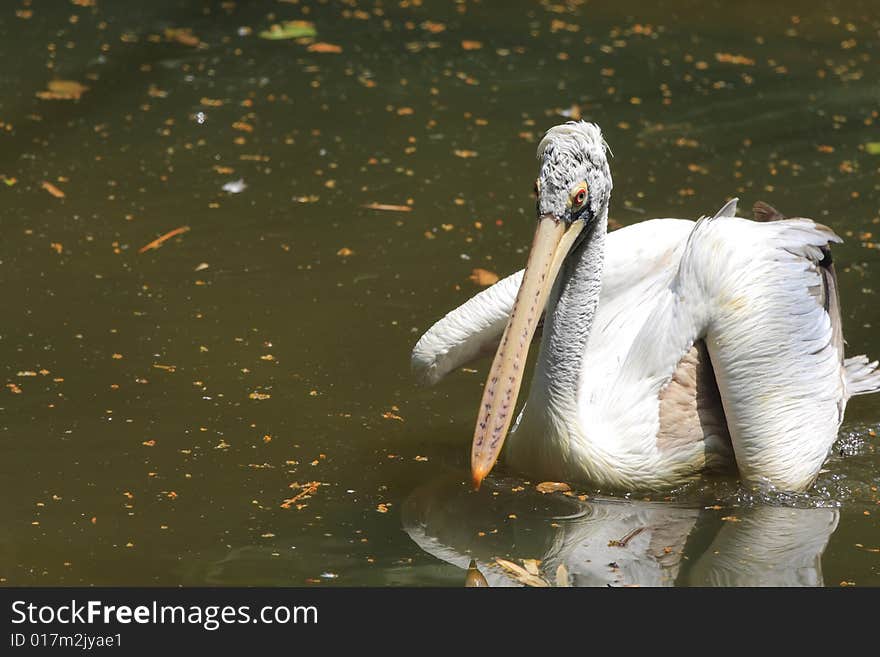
x,y
159,406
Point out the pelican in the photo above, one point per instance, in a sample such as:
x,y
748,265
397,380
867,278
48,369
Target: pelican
x,y
669,348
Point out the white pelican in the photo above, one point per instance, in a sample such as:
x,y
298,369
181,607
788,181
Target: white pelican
x,y
669,347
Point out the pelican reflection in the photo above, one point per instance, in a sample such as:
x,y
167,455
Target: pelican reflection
x,y
564,540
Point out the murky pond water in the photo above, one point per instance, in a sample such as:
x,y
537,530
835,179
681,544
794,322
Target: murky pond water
x,y
234,405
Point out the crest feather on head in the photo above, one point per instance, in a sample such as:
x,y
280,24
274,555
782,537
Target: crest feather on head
x,y
586,135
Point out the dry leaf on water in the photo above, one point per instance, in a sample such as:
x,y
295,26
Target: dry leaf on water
x,y
325,47
52,189
552,487
156,243
183,36
387,207
306,490
290,30
483,277
63,90
433,27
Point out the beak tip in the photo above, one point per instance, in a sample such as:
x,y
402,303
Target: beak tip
x,y
477,476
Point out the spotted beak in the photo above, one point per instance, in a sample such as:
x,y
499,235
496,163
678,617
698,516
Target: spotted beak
x,y
553,240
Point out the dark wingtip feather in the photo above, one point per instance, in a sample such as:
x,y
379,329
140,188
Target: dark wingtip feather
x,y
762,211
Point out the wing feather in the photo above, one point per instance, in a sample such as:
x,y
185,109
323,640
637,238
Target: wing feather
x,y
771,340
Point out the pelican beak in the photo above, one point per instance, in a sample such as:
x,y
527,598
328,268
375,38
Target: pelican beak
x,y
553,240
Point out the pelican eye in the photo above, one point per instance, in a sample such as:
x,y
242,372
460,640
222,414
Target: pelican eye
x,y
580,197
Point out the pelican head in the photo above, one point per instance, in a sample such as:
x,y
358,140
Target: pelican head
x,y
573,190
573,160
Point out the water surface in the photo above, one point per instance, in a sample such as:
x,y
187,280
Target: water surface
x,y
235,407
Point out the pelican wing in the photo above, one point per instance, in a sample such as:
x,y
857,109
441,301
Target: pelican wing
x,y
470,331
757,294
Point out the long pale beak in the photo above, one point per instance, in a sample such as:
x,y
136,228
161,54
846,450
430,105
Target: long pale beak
x,y
553,240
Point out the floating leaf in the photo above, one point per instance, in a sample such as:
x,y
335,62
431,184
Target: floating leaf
x,y
183,36
873,148
325,47
290,30
729,58
483,277
306,490
433,28
156,243
63,90
52,189
552,487
387,207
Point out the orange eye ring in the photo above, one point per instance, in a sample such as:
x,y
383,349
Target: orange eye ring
x,y
580,197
